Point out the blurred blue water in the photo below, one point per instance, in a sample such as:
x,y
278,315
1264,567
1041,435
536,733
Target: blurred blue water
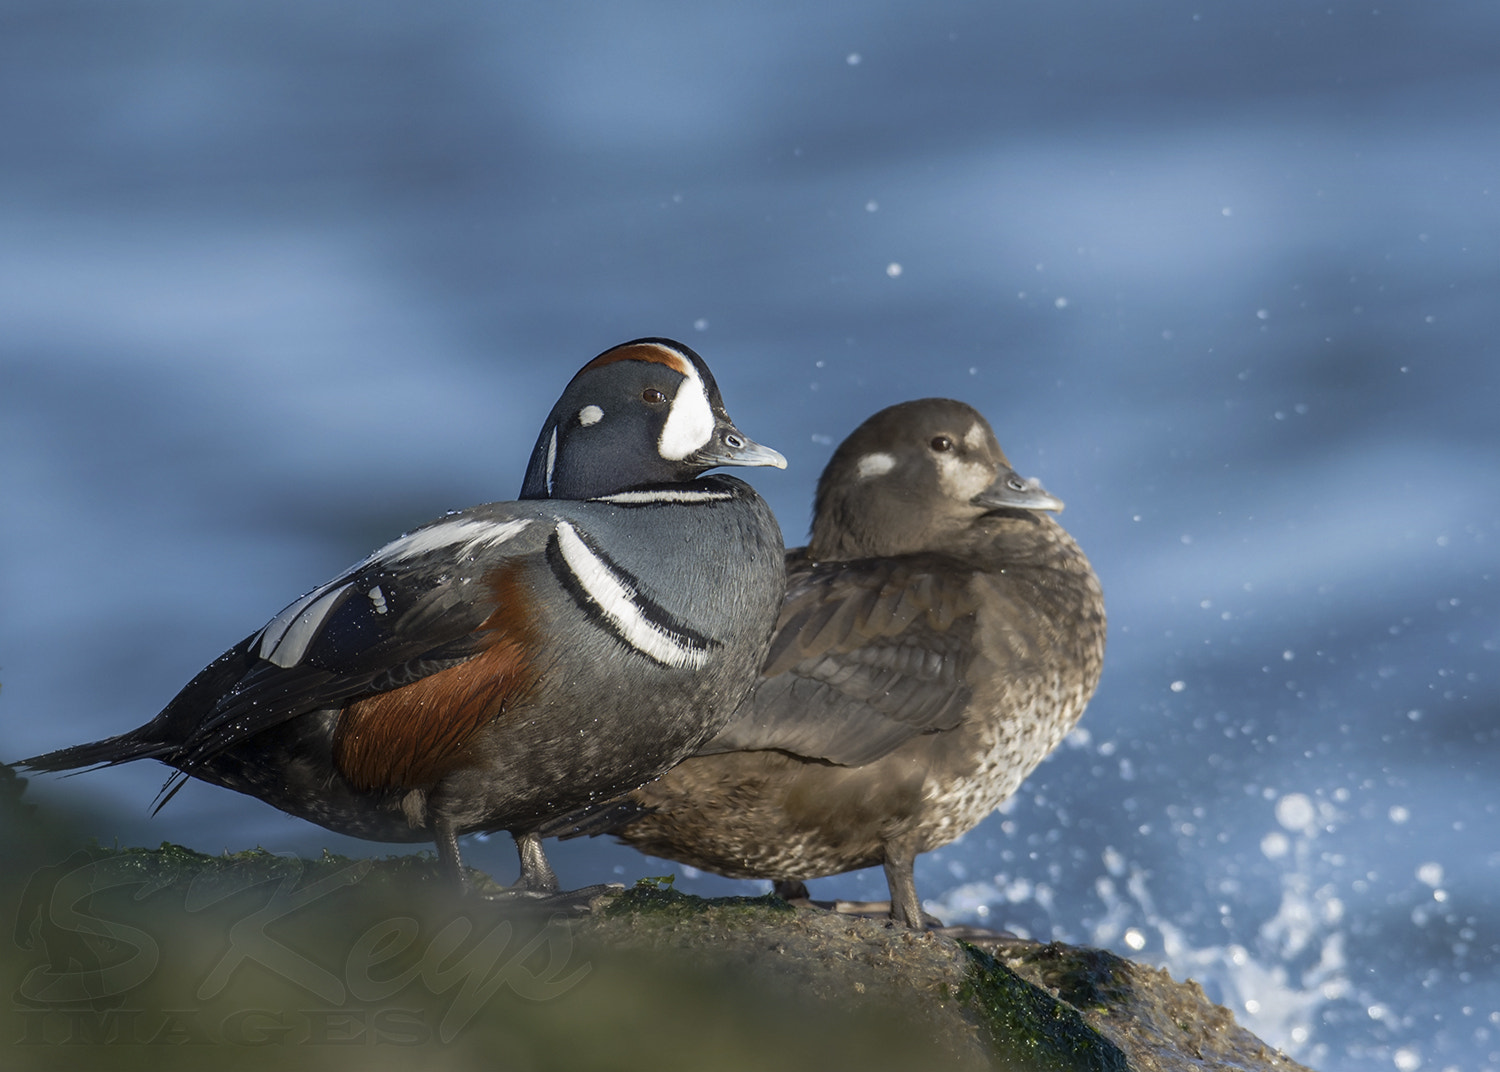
x,y
278,281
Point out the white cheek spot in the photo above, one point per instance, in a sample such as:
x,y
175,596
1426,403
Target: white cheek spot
x,y
377,599
974,437
590,415
877,464
960,479
690,423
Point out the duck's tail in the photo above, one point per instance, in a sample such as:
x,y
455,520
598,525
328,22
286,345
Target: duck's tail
x,y
105,753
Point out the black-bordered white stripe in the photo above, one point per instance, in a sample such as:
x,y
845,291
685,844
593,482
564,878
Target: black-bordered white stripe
x,y
662,496
613,597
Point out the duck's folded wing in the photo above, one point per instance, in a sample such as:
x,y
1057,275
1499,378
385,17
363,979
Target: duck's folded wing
x,y
867,654
409,611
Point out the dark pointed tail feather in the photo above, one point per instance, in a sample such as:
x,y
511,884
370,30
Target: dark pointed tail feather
x,y
108,753
168,790
606,817
105,753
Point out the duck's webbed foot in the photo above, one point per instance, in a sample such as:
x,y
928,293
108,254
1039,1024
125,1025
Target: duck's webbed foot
x,y
794,892
537,888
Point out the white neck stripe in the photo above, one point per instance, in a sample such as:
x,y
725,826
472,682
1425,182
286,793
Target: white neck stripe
x,y
666,495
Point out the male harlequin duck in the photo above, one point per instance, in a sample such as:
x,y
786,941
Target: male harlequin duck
x,y
940,634
511,662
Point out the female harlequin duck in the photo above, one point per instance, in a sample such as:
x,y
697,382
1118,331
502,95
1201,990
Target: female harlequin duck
x,y
508,663
940,634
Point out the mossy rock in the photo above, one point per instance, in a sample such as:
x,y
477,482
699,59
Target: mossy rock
x,y
167,958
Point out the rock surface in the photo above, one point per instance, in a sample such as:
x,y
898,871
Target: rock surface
x,y
141,958
1020,1005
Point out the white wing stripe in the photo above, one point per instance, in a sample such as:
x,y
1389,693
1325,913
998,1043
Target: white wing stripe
x,y
298,624
472,533
285,638
276,628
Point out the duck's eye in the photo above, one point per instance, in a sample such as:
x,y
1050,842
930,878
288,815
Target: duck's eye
x,y
652,397
942,444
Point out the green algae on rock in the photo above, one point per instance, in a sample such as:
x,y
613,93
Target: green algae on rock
x,y
139,958
1159,1023
1030,1029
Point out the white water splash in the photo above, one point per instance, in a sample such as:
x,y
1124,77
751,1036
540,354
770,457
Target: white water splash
x,y
1278,987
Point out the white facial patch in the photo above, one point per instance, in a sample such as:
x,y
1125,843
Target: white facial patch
x,y
690,424
588,416
877,464
959,479
285,639
616,600
974,437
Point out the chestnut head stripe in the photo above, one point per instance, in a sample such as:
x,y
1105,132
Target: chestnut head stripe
x,y
642,351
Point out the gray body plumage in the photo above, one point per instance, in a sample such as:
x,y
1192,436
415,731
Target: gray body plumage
x,y
505,664
610,711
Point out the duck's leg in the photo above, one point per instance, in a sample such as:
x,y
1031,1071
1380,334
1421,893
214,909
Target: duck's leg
x,y
537,875
900,876
450,863
538,885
